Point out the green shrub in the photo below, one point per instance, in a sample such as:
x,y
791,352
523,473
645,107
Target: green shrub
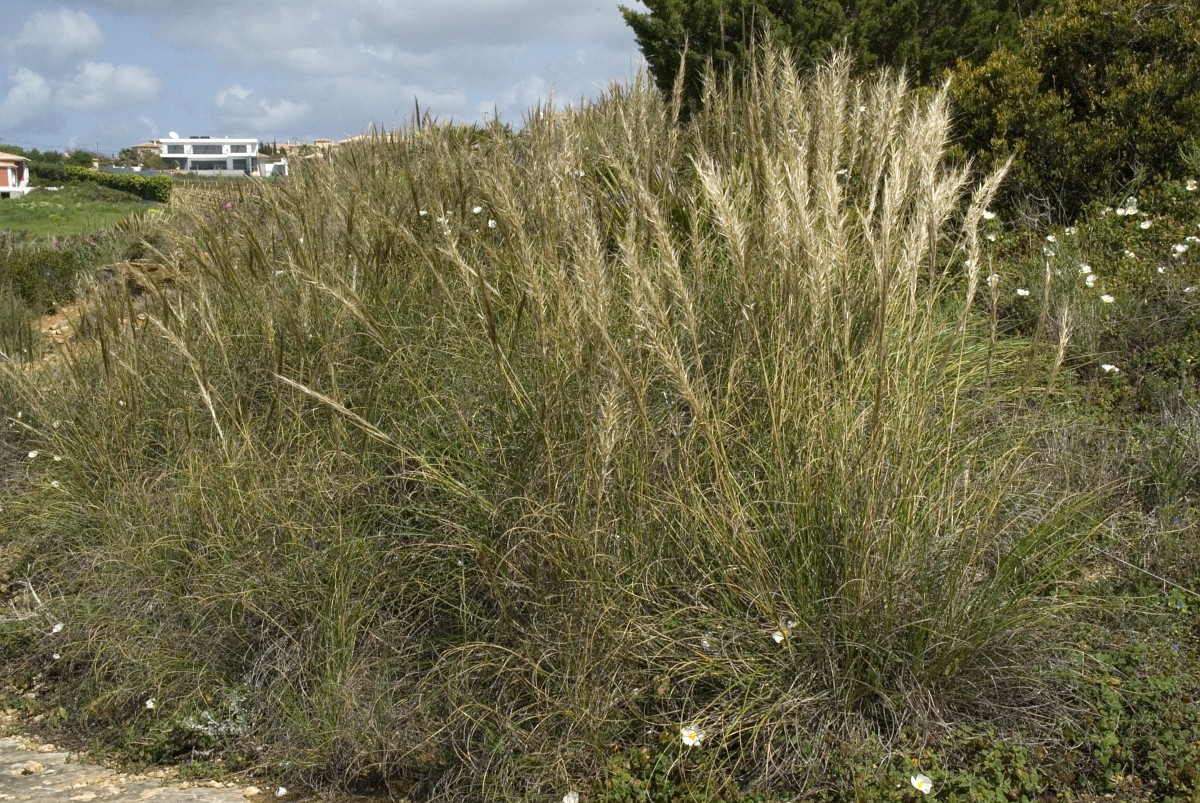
x,y
151,188
47,173
1098,94
42,275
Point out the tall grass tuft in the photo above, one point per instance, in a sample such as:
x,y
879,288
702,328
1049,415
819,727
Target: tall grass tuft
x,y
457,462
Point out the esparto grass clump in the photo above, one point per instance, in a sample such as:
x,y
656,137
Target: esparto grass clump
x,y
465,459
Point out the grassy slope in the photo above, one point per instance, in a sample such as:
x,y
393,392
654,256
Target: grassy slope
x,y
75,209
678,430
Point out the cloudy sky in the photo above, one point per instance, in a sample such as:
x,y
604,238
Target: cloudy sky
x,y
107,74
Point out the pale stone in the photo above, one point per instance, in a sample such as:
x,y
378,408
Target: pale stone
x,y
33,768
251,791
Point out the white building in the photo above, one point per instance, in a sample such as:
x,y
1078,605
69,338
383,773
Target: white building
x,y
211,155
14,175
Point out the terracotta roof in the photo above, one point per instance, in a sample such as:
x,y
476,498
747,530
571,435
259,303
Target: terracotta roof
x,y
11,157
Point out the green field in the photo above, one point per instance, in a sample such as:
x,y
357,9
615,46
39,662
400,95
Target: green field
x,y
761,457
74,209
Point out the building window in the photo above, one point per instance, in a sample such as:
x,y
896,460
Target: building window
x,y
239,164
237,148
205,150
175,149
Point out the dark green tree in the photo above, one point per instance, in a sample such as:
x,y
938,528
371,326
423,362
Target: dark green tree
x,y
82,158
924,36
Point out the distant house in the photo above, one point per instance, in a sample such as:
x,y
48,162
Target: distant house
x,y
144,149
269,169
14,175
211,155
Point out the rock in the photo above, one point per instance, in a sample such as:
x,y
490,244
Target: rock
x,y
251,791
33,768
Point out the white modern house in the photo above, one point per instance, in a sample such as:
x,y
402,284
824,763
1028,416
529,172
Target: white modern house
x,y
14,175
211,155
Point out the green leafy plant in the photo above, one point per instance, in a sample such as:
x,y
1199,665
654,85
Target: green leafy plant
x,y
1099,93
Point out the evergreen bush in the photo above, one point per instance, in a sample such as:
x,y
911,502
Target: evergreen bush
x,y
1098,95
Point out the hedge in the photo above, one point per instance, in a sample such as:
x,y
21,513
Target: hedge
x,y
152,188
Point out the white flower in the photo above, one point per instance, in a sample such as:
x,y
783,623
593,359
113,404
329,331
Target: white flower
x,y
1145,224
1048,251
55,484
571,797
1191,238
1090,281
1109,368
922,783
57,458
58,626
1050,238
1021,291
1129,254
151,704
475,210
1122,211
32,455
778,636
691,735
1162,268
491,224
991,238
1083,268
1179,248
993,280
422,213
1191,185
56,656
1189,289
1070,230
1107,299
989,215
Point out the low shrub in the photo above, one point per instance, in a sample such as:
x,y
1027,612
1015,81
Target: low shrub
x,y
1130,275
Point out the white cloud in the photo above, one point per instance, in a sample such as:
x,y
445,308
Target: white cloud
x,y
102,87
247,111
304,68
27,104
54,39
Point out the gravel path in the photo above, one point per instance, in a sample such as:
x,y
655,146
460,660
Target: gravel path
x,y
35,771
